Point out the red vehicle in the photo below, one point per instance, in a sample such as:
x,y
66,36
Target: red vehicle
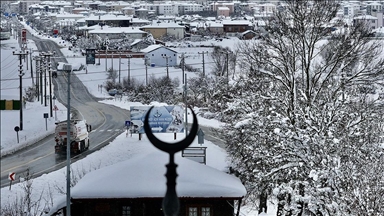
x,y
55,31
24,35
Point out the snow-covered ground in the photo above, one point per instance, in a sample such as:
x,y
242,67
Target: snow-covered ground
x,y
122,148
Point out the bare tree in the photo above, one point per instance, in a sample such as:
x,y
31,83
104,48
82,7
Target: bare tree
x,y
301,129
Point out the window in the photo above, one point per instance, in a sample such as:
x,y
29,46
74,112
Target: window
x,y
126,211
192,211
199,211
205,211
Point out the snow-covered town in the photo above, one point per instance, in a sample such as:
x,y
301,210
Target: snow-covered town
x,y
264,107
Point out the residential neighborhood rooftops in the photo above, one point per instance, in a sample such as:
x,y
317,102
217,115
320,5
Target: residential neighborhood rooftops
x,y
236,22
163,25
116,30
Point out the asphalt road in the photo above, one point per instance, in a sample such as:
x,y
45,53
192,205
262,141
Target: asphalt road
x,y
107,122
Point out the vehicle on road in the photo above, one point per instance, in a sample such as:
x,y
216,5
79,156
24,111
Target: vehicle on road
x,y
79,139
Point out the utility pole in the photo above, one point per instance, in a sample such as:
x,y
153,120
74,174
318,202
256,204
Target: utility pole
x,y
44,70
106,62
182,66
41,62
21,55
119,66
47,56
129,69
30,60
166,60
112,60
37,59
227,53
106,43
146,70
68,68
186,106
98,52
204,52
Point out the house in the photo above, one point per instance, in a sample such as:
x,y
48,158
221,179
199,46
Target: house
x,y
223,11
158,55
117,32
215,28
129,11
137,187
247,35
79,10
162,29
370,21
216,5
111,20
233,27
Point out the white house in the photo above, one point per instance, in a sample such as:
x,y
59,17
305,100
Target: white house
x,y
351,10
370,21
158,55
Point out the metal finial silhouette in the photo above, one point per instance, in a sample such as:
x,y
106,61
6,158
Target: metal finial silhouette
x,y
171,203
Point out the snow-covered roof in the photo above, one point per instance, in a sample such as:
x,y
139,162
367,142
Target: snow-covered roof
x,y
108,17
154,47
80,8
248,31
143,176
117,30
69,16
163,25
223,8
236,22
137,20
142,9
365,17
215,24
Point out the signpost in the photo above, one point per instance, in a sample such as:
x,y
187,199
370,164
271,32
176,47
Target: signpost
x,y
45,115
200,137
11,177
90,56
17,129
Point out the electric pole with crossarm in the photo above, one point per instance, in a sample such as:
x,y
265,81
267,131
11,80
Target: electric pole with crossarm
x,y
21,55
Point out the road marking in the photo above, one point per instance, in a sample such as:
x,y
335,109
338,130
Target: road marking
x,y
29,162
109,130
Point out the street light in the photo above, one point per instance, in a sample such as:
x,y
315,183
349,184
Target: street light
x,y
68,68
